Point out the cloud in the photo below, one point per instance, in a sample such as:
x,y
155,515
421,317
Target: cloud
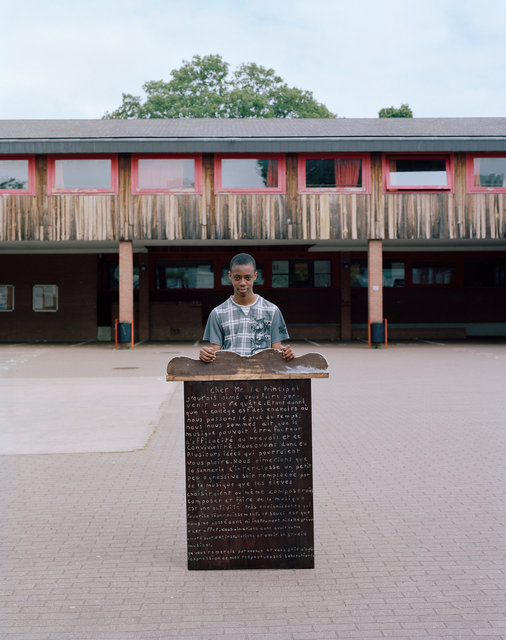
x,y
443,57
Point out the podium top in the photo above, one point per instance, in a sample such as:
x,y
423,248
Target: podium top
x,y
264,365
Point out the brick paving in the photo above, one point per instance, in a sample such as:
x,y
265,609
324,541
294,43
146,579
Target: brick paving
x,y
409,478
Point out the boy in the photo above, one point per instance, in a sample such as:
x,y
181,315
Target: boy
x,y
246,322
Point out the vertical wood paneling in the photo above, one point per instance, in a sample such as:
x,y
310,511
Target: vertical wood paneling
x,y
128,225
457,214
208,223
294,216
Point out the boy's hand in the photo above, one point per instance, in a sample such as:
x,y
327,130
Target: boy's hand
x,y
287,352
207,354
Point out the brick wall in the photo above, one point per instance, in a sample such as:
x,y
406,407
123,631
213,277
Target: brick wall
x,y
76,318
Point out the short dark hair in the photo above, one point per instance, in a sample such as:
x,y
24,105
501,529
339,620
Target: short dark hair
x,y
242,259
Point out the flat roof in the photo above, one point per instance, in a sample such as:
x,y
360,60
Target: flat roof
x,y
192,135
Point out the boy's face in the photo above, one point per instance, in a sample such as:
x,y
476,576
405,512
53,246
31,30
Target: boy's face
x,y
243,277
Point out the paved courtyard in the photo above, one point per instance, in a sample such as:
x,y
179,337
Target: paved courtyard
x,y
409,481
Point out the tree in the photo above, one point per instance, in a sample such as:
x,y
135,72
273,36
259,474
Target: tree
x,y
204,88
404,111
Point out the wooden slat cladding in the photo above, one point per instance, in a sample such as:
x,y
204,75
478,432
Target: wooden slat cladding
x,y
419,215
428,215
486,215
333,216
167,217
249,216
292,216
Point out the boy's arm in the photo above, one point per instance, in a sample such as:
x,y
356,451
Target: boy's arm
x,y
278,334
208,354
213,334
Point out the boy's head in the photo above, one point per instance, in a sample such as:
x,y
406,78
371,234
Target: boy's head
x,y
243,275
242,259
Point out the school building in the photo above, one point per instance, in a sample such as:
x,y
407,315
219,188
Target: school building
x,y
350,220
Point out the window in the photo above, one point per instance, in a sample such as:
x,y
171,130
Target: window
x,y
184,275
166,174
6,297
433,274
45,297
393,273
359,273
486,173
80,174
244,174
17,175
113,276
334,173
301,273
484,272
225,280
417,172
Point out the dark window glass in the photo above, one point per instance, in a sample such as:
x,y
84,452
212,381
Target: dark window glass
x,y
301,273
489,172
13,174
418,172
484,273
333,173
6,297
434,274
45,297
113,276
184,275
393,273
358,273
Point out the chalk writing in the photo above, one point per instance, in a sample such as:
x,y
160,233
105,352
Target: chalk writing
x,y
249,474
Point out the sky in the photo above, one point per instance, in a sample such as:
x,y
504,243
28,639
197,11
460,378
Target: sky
x,y
74,59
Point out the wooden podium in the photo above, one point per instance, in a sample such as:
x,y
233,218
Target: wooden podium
x,y
249,484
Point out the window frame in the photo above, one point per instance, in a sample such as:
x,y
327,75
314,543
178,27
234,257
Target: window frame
x,y
44,309
471,188
306,287
433,264
13,298
163,263
53,191
280,157
449,164
366,172
30,190
134,167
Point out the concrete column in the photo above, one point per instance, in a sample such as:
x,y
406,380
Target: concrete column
x,y
126,281
375,280
345,281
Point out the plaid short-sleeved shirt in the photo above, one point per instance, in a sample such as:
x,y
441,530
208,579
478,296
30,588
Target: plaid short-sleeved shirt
x,y
231,327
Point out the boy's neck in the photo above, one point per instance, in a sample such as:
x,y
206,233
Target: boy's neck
x,y
244,302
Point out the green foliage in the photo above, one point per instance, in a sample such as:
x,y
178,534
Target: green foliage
x,y
13,183
203,88
404,111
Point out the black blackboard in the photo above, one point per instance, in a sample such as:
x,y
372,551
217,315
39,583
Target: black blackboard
x,y
249,474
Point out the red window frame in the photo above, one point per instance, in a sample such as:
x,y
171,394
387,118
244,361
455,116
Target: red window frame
x,y
52,190
281,188
471,188
366,172
449,163
165,156
30,190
